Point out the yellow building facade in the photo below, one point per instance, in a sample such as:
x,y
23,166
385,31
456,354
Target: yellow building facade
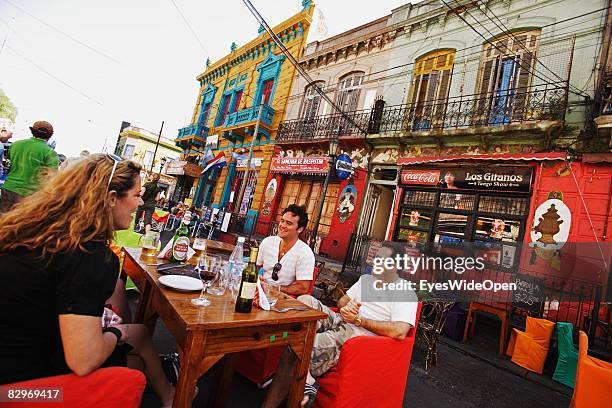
x,y
253,81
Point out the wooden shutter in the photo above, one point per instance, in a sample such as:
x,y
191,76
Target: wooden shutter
x,y
442,97
488,75
237,102
520,97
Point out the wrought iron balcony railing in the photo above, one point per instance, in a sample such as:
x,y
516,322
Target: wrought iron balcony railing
x,y
192,130
512,106
250,115
324,127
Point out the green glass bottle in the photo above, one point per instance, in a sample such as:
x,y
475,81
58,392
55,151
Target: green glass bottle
x,y
248,285
180,242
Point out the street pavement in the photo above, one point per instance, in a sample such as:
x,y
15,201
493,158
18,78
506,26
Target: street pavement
x,y
465,377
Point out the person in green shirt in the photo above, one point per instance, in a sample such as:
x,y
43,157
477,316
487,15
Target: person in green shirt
x,y
30,160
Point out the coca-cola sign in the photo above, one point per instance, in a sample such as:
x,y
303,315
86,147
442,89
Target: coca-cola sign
x,y
421,177
486,178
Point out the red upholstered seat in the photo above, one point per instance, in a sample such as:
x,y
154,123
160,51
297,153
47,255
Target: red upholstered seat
x,y
113,387
371,371
260,365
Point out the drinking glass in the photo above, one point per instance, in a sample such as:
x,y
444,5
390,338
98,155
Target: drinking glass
x,y
207,269
149,243
272,289
219,284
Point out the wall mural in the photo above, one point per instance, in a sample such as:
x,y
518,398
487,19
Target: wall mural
x,y
389,155
346,202
269,195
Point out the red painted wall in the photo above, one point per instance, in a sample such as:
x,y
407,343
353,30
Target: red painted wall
x,y
336,243
263,222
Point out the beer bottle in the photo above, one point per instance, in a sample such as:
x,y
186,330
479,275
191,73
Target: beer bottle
x,y
180,242
248,285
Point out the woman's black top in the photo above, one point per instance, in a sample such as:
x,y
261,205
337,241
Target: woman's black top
x,y
34,292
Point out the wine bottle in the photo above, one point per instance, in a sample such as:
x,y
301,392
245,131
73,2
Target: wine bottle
x,y
248,285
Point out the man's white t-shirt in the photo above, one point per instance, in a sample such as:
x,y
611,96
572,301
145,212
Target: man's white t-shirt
x,y
297,264
396,311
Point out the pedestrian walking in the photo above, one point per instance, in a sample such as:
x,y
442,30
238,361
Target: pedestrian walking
x,y
31,160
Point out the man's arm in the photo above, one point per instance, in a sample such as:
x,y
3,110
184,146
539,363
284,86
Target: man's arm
x,y
299,287
343,301
395,330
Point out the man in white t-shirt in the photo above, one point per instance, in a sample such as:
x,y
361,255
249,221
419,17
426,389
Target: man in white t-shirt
x,y
285,258
363,311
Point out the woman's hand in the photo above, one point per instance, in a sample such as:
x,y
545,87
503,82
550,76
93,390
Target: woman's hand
x,y
111,318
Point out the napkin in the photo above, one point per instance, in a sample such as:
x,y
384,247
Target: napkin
x,y
165,253
263,299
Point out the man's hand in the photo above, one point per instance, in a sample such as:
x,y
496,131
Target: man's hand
x,y
353,306
348,315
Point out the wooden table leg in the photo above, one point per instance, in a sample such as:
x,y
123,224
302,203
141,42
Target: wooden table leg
x,y
296,391
145,313
224,381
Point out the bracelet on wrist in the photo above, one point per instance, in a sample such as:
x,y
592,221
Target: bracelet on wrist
x,y
114,331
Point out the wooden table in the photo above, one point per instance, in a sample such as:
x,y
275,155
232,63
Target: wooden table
x,y
205,335
218,246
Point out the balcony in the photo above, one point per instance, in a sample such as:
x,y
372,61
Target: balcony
x,y
325,127
194,135
250,115
516,106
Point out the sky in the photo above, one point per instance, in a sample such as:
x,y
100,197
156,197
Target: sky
x,y
87,66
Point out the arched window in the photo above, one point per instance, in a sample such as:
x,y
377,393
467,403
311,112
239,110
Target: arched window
x,y
505,76
312,100
349,89
430,85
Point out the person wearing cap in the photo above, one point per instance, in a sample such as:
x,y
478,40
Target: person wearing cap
x,y
30,160
5,135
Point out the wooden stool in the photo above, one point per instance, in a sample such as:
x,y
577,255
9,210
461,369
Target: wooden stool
x,y
502,314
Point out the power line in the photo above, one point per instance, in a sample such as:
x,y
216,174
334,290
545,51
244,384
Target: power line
x,y
506,31
296,64
190,27
54,77
89,47
521,65
328,87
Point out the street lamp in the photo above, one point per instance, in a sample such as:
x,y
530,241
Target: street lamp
x,y
333,152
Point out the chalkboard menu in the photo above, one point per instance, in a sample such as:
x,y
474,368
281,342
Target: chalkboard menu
x,y
529,293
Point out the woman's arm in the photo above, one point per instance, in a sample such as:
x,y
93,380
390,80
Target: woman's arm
x,y
85,346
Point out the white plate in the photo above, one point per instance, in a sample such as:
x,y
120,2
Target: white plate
x,y
179,282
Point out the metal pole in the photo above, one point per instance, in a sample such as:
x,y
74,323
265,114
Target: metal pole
x,y
156,146
315,228
246,175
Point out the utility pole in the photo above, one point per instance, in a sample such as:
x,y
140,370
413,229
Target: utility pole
x,y
246,174
333,150
156,146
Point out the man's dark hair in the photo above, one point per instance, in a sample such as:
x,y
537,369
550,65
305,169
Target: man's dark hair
x,y
298,211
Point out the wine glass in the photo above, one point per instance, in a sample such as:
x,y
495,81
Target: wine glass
x,y
218,284
207,270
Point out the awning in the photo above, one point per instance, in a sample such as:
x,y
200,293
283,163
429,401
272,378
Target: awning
x,y
597,158
407,161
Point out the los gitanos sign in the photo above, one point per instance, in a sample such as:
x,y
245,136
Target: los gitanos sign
x,y
517,179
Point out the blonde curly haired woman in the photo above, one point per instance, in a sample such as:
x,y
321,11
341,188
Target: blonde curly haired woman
x,y
57,272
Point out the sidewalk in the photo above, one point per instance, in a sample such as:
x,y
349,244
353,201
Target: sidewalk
x,y
467,376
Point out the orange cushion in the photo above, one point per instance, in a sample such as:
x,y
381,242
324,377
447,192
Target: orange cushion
x,y
528,353
595,383
539,330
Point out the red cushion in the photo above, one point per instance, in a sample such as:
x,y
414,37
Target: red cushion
x,y
113,387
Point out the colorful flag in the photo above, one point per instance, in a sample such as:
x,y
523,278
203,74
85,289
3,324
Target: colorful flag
x,y
218,161
207,157
237,156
